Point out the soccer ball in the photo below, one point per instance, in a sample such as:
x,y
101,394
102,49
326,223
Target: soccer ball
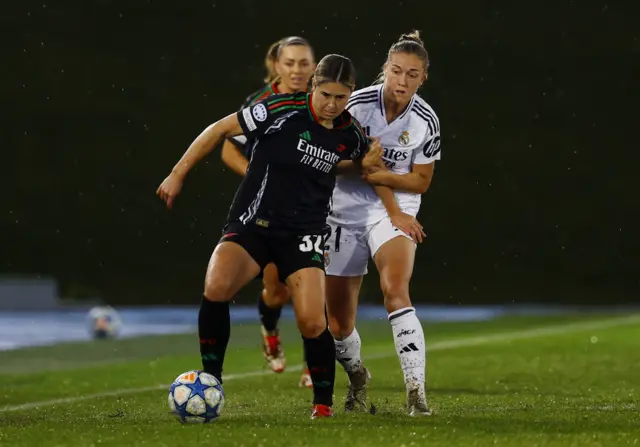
x,y
196,397
103,322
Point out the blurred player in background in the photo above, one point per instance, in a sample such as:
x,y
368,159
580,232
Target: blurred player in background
x,y
289,64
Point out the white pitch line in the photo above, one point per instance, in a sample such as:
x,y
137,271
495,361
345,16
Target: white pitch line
x,y
435,346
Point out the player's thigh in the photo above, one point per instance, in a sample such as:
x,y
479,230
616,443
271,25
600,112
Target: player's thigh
x,y
236,260
346,252
275,292
301,266
394,254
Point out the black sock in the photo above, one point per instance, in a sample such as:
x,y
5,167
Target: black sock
x,y
214,328
321,358
269,317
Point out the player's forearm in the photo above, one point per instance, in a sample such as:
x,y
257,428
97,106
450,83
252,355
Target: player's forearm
x,y
233,158
388,199
200,148
345,167
411,182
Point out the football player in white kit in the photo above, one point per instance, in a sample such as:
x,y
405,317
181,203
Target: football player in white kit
x,y
362,226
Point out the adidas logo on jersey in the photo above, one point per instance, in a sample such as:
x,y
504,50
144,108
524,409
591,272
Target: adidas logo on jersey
x,y
306,135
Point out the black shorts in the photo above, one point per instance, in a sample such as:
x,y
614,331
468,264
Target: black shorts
x,y
289,253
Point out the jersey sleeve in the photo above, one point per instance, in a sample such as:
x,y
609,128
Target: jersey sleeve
x,y
429,151
240,141
260,117
360,142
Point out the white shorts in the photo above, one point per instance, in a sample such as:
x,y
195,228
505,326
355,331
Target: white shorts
x,y
347,250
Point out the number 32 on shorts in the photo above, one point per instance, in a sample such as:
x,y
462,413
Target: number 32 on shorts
x,y
311,243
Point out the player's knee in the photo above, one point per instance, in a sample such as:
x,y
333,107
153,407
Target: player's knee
x,y
311,327
396,294
275,296
217,289
340,329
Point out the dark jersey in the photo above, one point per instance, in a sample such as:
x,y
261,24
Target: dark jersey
x,y
291,173
241,140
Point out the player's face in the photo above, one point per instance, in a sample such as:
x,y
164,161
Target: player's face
x,y
330,99
404,74
295,68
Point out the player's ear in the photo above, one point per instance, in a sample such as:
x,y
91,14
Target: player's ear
x,y
424,79
313,82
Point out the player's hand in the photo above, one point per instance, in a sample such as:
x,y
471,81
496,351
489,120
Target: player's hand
x,y
170,188
408,225
373,158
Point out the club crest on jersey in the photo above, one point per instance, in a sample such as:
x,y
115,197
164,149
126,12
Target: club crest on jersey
x,y
403,139
259,112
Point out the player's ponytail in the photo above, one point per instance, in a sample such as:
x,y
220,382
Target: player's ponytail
x,y
335,68
410,43
273,54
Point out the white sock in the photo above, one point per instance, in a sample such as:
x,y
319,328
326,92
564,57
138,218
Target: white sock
x,y
348,352
410,346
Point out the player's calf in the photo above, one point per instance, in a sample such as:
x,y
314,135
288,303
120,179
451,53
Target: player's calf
x,y
214,329
321,360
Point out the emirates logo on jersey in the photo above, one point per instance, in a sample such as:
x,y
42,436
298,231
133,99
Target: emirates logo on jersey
x,y
403,139
317,157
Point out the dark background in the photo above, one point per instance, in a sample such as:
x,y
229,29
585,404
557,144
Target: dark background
x,y
535,198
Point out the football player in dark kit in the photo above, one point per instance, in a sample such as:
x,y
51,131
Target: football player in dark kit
x,y
279,212
289,64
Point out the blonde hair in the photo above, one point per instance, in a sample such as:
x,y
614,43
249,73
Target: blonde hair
x,y
407,43
273,54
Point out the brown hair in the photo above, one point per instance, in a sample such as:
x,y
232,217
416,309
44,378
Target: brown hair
x,y
411,44
335,68
273,54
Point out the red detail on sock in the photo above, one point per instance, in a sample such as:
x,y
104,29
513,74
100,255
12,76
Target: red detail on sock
x,y
208,341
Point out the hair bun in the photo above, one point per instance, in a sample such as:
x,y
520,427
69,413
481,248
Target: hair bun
x,y
413,36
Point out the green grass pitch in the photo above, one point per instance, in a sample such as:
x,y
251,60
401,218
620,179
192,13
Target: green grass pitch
x,y
521,381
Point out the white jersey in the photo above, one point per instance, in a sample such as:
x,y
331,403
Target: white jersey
x,y
412,138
